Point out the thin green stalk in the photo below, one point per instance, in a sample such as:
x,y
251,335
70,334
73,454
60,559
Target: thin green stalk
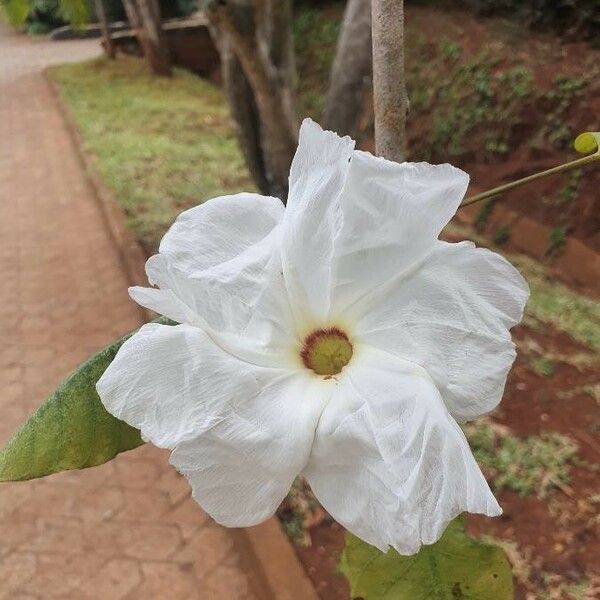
x,y
586,142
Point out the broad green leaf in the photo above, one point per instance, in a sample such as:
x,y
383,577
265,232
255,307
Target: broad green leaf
x,y
72,429
588,142
456,567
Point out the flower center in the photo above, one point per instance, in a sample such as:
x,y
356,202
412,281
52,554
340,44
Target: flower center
x,y
326,351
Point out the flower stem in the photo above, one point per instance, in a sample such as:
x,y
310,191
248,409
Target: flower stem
x,y
513,184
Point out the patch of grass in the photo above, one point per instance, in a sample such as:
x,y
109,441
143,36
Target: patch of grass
x,y
558,100
450,50
543,366
543,361
581,590
556,240
569,191
162,145
534,464
468,105
554,303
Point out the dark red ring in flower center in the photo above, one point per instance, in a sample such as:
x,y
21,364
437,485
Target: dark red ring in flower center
x,y
326,351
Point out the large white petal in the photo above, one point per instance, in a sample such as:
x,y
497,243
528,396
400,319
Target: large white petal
x,y
392,215
174,382
388,461
452,316
219,267
353,221
312,218
241,468
219,230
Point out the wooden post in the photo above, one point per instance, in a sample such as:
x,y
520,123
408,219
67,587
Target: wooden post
x,y
107,41
389,90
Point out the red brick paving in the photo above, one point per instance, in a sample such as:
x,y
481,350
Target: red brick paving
x,y
126,530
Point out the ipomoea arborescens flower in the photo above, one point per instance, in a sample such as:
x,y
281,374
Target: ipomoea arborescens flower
x,y
337,338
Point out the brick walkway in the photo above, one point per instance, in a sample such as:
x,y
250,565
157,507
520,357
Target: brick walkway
x,y
128,529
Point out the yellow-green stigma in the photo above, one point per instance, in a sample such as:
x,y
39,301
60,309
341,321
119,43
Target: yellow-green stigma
x,y
326,351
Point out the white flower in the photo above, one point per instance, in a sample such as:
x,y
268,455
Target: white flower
x,y
338,339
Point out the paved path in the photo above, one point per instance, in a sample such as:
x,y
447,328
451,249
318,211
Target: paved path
x,y
128,529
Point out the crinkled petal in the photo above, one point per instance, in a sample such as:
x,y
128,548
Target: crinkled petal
x,y
392,215
172,383
241,468
388,461
312,218
354,221
452,316
219,230
219,267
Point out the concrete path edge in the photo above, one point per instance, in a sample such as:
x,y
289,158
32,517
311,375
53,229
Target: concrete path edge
x,y
270,550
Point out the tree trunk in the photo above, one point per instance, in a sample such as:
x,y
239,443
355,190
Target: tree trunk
x,y
389,91
145,19
245,115
107,41
351,72
247,29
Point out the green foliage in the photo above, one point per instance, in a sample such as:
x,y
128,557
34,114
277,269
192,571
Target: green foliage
x,y
484,214
457,567
535,464
42,15
16,11
502,234
569,191
162,145
470,102
558,238
556,103
450,50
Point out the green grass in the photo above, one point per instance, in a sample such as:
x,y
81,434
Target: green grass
x,y
543,366
162,145
554,303
529,465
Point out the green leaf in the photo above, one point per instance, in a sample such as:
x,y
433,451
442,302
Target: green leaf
x,y
456,567
72,429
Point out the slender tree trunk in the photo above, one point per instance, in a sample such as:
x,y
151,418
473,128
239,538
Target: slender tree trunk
x,y
351,72
145,19
389,91
107,41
